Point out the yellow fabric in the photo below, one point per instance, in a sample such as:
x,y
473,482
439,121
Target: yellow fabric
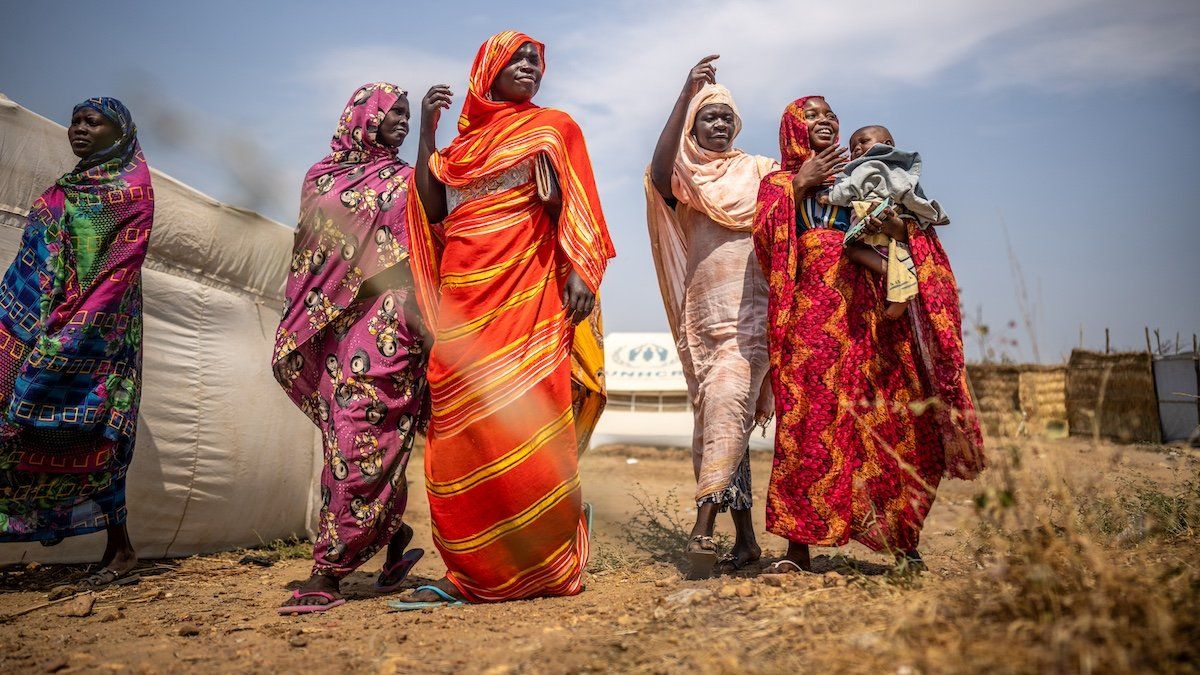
x,y
901,272
587,376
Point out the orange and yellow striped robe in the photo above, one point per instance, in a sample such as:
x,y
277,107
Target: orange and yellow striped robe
x,y
501,462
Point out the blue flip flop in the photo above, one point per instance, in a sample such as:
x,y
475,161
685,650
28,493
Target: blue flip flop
x,y
408,606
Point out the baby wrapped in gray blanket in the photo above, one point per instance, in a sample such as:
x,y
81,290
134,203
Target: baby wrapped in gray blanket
x,y
880,181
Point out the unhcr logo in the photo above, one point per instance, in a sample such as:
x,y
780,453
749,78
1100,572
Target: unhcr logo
x,y
645,355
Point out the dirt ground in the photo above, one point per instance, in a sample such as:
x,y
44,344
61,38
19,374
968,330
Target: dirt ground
x,y
216,614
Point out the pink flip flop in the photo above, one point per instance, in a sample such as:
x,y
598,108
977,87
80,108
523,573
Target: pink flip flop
x,y
402,567
310,609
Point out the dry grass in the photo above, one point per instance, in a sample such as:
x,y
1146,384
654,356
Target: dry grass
x,y
658,531
1098,577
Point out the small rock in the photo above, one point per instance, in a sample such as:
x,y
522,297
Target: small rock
x,y
188,629
777,580
868,640
660,613
728,591
625,620
80,606
690,596
55,664
663,583
745,589
298,641
59,592
111,615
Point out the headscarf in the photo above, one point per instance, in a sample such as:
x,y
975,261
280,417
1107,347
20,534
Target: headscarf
x,y
493,56
352,223
794,146
125,147
720,185
106,201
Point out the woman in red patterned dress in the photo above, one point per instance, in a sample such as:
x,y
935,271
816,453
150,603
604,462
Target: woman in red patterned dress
x,y
872,411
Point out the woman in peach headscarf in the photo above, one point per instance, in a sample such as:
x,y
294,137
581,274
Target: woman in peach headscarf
x,y
508,249
700,194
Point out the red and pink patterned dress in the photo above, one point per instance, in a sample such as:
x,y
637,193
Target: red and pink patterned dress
x,y
355,365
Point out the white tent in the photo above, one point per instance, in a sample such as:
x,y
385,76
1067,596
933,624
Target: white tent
x,y
647,395
223,459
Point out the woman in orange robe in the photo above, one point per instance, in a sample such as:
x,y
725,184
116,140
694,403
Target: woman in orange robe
x,y
508,249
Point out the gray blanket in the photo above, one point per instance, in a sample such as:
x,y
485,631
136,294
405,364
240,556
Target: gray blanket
x,y
883,172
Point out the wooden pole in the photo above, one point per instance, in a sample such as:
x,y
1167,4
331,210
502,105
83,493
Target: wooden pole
x,y
1148,350
1177,342
1081,336
1157,341
1106,343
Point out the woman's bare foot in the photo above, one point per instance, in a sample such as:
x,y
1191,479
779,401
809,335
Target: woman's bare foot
x,y
317,583
443,584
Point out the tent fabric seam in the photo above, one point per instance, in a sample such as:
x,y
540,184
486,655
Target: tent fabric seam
x,y
196,442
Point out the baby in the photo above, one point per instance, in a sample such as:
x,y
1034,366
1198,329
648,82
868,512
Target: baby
x,y
879,181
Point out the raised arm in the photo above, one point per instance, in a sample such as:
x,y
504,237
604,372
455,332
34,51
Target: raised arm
x,y
662,164
430,189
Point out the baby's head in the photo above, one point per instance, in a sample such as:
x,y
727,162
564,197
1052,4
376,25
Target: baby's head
x,y
865,138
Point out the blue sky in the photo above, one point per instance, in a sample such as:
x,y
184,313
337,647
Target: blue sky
x,y
1068,124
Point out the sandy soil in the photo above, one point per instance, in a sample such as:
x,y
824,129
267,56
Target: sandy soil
x,y
214,614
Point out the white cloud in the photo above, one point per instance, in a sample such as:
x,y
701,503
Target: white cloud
x,y
1109,48
336,74
619,73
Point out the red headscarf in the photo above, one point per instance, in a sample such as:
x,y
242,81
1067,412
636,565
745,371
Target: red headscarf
x,y
794,146
493,56
497,135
